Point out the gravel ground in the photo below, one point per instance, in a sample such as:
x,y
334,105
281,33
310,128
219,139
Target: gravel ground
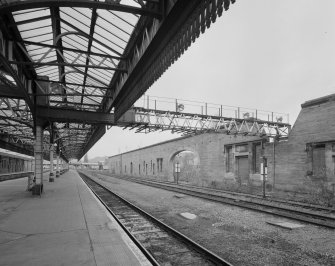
x,y
240,236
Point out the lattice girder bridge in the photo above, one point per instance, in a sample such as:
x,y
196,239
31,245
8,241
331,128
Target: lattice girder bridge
x,y
150,120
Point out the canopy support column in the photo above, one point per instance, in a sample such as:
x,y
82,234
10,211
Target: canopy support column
x,y
51,176
57,165
37,188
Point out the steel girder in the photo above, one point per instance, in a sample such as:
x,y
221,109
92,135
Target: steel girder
x,y
107,5
149,120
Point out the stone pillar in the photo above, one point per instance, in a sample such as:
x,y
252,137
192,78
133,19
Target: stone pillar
x,y
38,152
51,176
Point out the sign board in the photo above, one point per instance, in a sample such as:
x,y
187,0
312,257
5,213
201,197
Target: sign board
x,y
264,171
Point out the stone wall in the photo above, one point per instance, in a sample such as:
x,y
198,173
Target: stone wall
x,y
292,168
208,148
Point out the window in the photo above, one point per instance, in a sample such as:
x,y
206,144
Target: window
x,y
319,160
131,167
153,168
256,157
159,164
146,169
139,168
229,159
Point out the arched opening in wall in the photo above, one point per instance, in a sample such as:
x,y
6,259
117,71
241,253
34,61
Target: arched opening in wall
x,y
185,168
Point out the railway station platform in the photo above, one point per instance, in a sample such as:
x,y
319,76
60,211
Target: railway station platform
x,y
67,225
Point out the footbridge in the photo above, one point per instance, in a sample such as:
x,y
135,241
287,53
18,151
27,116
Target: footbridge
x,y
191,117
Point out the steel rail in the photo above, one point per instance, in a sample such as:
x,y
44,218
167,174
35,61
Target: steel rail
x,y
270,200
189,242
300,215
138,244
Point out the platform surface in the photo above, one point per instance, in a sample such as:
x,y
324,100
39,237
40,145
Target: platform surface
x,y
66,226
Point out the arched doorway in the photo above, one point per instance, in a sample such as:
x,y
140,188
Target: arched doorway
x,y
185,166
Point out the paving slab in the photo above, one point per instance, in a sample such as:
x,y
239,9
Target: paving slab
x,y
67,225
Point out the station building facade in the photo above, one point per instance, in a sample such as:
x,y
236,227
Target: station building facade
x,y
305,160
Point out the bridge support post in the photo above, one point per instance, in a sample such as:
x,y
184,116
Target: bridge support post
x,y
37,188
51,176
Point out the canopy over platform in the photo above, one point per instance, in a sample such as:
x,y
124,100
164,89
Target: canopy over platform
x,y
71,67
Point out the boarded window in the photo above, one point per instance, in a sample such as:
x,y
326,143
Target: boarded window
x,y
319,160
256,157
229,159
159,164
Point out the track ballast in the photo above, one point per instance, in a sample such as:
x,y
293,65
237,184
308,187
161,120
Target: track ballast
x,y
161,244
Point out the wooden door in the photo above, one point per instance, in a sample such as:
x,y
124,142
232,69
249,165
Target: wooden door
x,y
243,169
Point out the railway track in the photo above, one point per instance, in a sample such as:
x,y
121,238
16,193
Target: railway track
x,y
161,244
301,212
17,175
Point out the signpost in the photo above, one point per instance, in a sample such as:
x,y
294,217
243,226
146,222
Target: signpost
x,y
264,173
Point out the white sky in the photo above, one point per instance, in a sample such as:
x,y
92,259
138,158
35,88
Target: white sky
x,y
264,54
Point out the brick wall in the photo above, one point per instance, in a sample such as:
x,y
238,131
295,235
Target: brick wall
x,y
208,148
